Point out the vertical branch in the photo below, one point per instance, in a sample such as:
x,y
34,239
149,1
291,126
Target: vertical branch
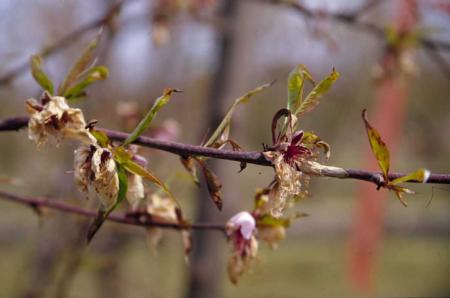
x,y
391,95
206,260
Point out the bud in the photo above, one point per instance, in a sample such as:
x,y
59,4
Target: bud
x,y
241,230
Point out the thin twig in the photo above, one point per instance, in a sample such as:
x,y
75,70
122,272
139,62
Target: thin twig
x,y
129,219
62,43
252,157
352,19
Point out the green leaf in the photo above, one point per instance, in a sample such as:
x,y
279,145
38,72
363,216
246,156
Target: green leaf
x,y
379,148
103,214
312,100
94,74
39,75
221,132
310,138
122,157
101,137
421,175
81,65
270,221
296,81
143,125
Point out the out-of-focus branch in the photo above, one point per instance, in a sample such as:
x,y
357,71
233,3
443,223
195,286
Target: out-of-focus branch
x,y
432,47
64,42
135,219
252,157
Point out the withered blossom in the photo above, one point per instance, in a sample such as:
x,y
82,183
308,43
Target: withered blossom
x,y
241,230
287,159
52,116
272,235
95,169
135,192
162,208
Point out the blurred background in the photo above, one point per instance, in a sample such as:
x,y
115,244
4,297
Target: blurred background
x,y
355,242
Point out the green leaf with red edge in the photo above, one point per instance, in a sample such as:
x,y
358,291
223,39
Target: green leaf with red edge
x,y
421,175
313,98
296,82
147,120
378,146
222,131
39,74
84,62
103,214
97,73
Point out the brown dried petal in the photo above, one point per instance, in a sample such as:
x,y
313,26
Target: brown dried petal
x,y
106,180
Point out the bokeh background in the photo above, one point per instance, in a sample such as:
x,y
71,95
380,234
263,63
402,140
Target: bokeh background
x,y
216,51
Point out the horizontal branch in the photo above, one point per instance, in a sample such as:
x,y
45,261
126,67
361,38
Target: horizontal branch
x,y
252,157
135,219
348,19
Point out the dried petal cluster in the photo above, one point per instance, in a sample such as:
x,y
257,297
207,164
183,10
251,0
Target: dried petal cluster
x,y
241,229
291,183
52,116
164,209
96,169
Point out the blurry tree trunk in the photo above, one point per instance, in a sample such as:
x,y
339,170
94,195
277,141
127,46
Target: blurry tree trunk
x,y
206,263
387,116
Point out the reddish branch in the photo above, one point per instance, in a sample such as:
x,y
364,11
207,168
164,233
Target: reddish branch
x,y
252,157
135,219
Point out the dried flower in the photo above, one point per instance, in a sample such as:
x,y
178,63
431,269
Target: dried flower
x,y
95,169
53,117
135,192
241,230
272,235
291,183
162,208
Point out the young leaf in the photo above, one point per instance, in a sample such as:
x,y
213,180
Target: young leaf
x,y
39,75
268,220
101,137
421,175
224,126
94,74
103,214
399,193
122,157
312,100
296,81
379,148
81,65
157,105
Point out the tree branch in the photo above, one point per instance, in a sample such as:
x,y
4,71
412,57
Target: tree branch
x,y
432,47
135,219
252,157
63,42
